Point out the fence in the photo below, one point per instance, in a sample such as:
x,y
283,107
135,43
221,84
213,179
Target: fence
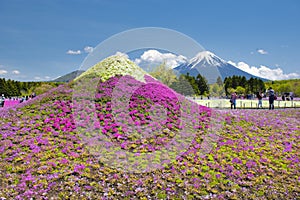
x,y
247,104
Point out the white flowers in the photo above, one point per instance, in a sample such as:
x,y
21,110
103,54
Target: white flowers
x,y
112,66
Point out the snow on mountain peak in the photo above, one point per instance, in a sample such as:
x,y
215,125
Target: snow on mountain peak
x,y
207,58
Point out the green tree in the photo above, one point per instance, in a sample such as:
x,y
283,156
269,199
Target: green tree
x,y
250,85
261,85
12,88
3,87
227,84
164,74
240,90
216,90
183,86
219,81
231,90
44,87
286,87
202,84
16,88
235,81
243,82
193,83
296,91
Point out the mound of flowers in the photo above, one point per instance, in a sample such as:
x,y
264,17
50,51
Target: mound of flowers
x,y
112,66
127,138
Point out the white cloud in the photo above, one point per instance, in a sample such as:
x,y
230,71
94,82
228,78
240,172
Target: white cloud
x,y
265,72
88,49
72,52
16,72
2,71
39,78
121,54
261,51
156,57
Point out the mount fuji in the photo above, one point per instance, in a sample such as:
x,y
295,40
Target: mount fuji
x,y
211,67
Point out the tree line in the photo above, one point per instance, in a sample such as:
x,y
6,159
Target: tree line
x,y
241,85
184,83
12,88
285,86
190,85
198,86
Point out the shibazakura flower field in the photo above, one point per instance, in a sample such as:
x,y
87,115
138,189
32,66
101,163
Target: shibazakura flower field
x,y
132,139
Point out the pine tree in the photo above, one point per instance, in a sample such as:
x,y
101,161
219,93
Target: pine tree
x,y
183,86
202,84
219,81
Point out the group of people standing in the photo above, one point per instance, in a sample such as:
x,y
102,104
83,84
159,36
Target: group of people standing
x,y
271,94
11,101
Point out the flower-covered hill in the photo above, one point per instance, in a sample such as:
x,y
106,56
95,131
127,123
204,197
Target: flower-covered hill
x,y
125,137
112,66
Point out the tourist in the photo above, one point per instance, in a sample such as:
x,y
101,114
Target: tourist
x,y
259,97
292,96
2,99
271,98
233,100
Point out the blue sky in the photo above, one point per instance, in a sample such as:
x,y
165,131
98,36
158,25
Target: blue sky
x,y
41,40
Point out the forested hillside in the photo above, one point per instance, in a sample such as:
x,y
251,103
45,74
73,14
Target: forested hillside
x,y
11,88
282,86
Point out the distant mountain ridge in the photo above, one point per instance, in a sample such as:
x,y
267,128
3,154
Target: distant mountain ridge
x,y
69,77
211,67
206,63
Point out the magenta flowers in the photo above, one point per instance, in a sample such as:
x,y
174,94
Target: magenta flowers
x,y
127,138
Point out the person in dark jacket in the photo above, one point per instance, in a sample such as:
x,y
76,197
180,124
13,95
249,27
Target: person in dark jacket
x,y
233,100
271,98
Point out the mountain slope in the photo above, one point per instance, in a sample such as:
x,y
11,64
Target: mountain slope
x,y
211,66
69,77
